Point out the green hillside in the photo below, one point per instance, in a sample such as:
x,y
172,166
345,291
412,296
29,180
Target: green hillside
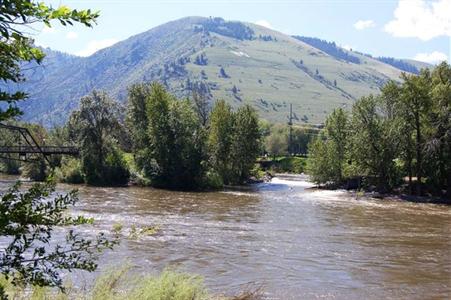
x,y
239,62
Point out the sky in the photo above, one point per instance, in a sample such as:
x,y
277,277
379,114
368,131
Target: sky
x,y
416,29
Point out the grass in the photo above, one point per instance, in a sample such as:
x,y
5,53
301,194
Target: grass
x,y
170,285
119,284
292,164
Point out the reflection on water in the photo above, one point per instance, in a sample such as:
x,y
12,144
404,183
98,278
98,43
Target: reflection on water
x,y
297,242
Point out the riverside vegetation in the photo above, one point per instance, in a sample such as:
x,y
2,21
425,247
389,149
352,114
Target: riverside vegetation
x,y
115,148
176,144
405,132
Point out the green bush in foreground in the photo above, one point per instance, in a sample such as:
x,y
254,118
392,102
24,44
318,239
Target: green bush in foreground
x,y
119,285
28,219
170,285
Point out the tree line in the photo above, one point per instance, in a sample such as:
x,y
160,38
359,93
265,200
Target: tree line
x,y
160,141
185,144
114,143
398,140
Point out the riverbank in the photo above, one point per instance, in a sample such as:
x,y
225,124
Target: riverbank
x,y
360,195
268,177
402,197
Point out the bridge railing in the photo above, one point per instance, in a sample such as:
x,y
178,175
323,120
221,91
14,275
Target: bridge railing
x,y
46,150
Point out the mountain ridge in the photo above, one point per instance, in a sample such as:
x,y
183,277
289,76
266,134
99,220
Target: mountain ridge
x,y
237,61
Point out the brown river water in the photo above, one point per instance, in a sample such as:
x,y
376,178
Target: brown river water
x,y
294,241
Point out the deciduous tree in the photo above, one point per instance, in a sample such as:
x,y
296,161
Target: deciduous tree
x,y
174,153
245,146
220,139
93,126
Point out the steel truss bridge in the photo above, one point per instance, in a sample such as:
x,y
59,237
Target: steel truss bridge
x,y
27,148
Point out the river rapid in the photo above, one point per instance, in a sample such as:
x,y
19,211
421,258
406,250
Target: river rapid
x,y
294,241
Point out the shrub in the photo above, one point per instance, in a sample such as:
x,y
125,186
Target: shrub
x,y
213,180
257,172
10,167
118,284
294,165
170,285
116,169
70,172
35,170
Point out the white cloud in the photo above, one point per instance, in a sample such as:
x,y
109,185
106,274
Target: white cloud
x,y
421,19
364,24
71,35
264,23
95,45
347,47
432,58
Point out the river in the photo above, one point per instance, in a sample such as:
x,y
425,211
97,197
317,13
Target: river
x,y
294,241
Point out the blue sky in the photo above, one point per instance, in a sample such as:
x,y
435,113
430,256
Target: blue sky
x,y
418,29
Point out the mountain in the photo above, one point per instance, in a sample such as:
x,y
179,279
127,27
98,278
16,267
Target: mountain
x,y
236,61
410,66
